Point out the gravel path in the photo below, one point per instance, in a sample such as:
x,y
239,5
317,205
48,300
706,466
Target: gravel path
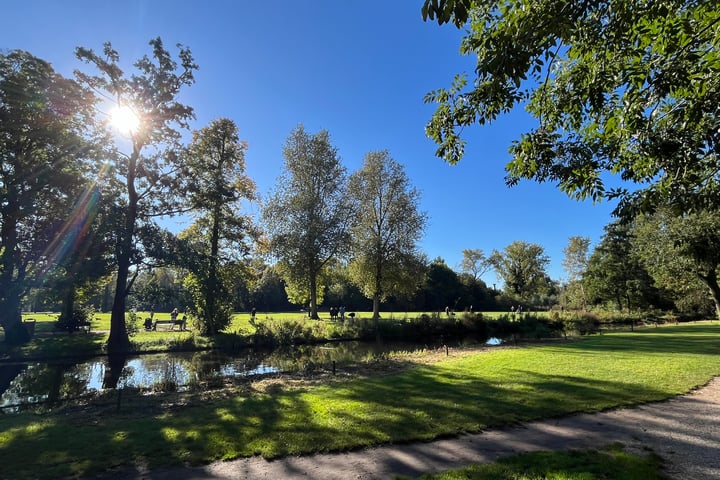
x,y
684,431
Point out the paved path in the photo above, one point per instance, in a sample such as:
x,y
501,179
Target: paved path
x,y
685,431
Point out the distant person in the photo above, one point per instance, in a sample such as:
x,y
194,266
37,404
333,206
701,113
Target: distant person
x,y
174,314
342,313
447,311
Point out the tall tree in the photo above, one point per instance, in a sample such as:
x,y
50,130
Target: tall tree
x,y
628,88
474,262
387,227
216,163
308,214
576,257
680,252
575,264
441,288
522,266
47,147
616,273
149,171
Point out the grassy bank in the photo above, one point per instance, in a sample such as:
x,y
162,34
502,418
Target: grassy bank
x,y
465,392
611,462
274,329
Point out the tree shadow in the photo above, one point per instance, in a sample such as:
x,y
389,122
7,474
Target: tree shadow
x,y
423,403
696,339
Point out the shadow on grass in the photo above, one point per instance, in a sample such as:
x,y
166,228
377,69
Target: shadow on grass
x,y
421,403
697,338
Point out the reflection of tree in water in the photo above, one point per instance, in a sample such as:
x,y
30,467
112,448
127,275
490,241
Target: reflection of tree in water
x,y
49,383
303,357
212,365
115,370
43,382
76,380
8,373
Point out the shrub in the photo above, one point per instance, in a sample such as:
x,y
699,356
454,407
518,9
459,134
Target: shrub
x,y
131,323
82,314
585,323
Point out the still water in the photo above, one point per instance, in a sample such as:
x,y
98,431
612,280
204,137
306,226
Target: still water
x,y
54,382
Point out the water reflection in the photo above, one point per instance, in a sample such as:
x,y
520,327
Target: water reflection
x,y
53,383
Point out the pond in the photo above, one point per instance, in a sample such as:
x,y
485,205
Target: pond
x,y
52,383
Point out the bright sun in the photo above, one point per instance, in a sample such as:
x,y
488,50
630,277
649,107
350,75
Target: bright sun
x,y
124,120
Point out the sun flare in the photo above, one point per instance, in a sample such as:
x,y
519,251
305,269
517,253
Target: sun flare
x,y
124,119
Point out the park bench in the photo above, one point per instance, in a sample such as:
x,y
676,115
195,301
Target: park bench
x,y
182,323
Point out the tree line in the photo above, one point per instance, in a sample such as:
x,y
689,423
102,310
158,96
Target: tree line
x,y
618,89
625,96
80,210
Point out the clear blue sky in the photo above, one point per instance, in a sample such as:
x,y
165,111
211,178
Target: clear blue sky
x,y
356,68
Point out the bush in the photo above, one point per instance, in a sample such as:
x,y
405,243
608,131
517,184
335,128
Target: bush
x,y
273,332
585,323
82,314
131,323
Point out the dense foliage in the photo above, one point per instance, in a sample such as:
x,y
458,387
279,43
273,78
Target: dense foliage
x,y
619,88
308,215
220,236
387,226
46,154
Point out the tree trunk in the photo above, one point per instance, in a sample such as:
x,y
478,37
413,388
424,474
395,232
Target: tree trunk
x,y
118,341
11,319
378,284
15,331
11,280
711,281
210,298
313,297
113,370
67,320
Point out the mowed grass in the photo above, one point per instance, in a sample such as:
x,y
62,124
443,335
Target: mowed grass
x,y
465,393
611,462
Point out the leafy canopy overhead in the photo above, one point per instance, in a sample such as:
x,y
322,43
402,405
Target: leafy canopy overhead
x,y
627,89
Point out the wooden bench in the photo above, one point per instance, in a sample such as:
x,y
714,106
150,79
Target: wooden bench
x,y
181,323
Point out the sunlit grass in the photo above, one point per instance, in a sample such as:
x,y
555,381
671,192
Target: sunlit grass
x,y
465,393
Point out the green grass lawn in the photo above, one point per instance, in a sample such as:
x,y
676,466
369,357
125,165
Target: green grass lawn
x,y
465,393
